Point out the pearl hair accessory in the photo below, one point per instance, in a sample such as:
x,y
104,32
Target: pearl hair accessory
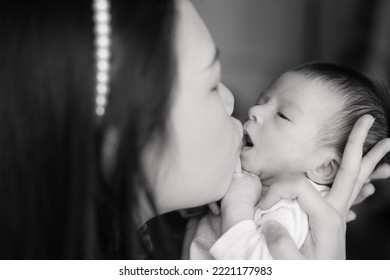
x,y
102,31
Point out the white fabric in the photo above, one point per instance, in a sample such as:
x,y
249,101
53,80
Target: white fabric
x,y
245,240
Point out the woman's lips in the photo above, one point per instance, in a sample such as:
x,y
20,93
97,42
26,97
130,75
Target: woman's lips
x,y
240,131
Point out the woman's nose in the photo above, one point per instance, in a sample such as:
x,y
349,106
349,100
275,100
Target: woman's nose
x,y
256,113
227,98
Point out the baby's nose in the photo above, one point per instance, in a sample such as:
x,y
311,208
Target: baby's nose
x,y
255,113
227,98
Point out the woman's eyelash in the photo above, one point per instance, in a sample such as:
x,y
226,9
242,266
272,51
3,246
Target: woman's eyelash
x,y
282,116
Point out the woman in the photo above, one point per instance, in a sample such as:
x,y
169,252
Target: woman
x,y
78,185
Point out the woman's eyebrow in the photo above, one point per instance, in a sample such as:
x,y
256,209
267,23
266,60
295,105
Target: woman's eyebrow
x,y
215,58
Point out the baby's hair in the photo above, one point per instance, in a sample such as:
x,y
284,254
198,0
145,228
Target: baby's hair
x,y
360,95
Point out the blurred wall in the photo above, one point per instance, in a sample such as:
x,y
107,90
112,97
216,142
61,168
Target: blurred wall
x,y
260,39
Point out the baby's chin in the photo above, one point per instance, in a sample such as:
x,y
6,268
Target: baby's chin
x,y
249,166
265,178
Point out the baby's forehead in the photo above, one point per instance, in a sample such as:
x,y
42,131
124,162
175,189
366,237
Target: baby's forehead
x,y
294,85
297,80
316,97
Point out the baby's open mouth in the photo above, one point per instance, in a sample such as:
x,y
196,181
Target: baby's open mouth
x,y
247,140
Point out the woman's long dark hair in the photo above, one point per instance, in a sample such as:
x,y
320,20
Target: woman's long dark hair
x,y
54,201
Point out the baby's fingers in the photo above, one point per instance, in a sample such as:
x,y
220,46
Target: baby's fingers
x,y
309,199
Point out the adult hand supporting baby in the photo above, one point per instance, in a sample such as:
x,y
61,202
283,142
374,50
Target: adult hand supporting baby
x,y
327,216
368,189
382,172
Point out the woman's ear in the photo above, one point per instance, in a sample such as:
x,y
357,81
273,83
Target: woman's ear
x,y
325,172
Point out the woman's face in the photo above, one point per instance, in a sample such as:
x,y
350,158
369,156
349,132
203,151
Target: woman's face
x,y
204,141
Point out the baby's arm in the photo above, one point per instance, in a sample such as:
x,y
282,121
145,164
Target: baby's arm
x,y
239,202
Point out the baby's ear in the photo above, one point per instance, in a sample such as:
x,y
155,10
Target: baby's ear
x,y
325,171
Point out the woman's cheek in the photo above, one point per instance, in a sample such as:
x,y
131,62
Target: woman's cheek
x,y
221,151
204,149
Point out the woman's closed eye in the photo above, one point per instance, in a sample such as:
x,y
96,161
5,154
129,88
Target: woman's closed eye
x,y
282,116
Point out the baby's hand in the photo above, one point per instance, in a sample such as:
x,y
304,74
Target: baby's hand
x,y
239,202
245,188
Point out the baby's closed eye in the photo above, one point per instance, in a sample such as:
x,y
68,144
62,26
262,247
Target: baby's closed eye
x,y
282,116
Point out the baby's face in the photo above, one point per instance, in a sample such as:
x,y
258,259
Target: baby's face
x,y
282,131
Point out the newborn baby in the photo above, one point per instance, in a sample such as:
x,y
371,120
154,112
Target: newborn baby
x,y
296,134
